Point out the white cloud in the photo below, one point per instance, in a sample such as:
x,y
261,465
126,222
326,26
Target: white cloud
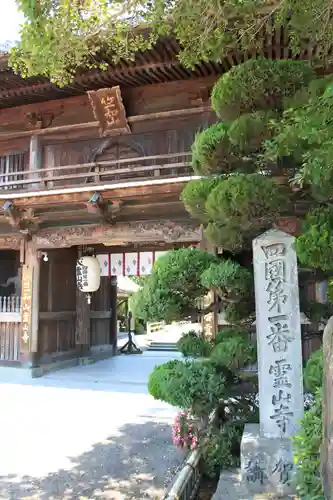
x,y
10,20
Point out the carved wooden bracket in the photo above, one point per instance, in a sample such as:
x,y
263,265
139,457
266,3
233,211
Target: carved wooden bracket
x,y
200,98
109,111
23,220
106,210
39,121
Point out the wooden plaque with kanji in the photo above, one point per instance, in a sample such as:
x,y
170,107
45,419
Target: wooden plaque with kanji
x,y
109,111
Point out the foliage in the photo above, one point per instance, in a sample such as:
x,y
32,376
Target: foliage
x,y
197,384
305,135
185,431
183,276
210,148
192,345
59,36
228,236
220,149
222,449
234,352
315,245
313,373
139,280
194,196
139,328
228,279
234,285
307,452
161,377
258,84
229,332
245,205
172,290
318,312
154,303
249,131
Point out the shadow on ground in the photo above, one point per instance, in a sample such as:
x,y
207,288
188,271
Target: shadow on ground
x,y
138,463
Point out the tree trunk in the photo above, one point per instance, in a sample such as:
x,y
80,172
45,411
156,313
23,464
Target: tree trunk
x,y
327,443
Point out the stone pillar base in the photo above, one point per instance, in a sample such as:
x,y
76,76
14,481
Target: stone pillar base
x,y
266,463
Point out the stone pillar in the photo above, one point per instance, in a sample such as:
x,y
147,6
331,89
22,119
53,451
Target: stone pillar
x,y
327,443
266,449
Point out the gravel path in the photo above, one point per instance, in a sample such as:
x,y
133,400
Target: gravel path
x,y
89,432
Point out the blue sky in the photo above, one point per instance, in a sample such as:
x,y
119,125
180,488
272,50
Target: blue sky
x,y
9,21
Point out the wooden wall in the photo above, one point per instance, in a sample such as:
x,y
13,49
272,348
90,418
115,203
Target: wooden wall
x,y
58,308
57,304
101,314
138,101
172,136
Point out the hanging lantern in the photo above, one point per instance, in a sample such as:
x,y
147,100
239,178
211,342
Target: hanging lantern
x,y
88,275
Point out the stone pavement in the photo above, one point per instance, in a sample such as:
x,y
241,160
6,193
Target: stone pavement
x,y
230,488
88,432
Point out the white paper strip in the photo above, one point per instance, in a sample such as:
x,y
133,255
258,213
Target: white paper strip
x,y
146,263
103,264
116,264
131,264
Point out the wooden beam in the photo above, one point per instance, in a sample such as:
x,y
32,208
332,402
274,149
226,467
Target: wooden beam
x,y
162,115
111,194
153,231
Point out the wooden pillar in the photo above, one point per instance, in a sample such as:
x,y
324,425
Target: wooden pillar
x,y
82,330
35,158
30,305
113,320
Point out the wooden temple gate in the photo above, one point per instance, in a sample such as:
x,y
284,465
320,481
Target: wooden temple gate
x,y
82,168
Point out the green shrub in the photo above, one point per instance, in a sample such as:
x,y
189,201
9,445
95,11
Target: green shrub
x,y
194,196
192,345
228,279
258,84
160,377
243,200
140,329
249,131
214,151
234,352
222,449
229,332
315,245
242,206
313,373
198,385
307,452
206,147
227,236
